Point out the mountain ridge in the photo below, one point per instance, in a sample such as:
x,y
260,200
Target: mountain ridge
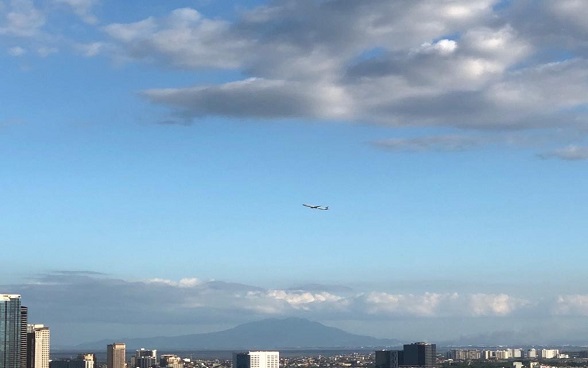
x,y
273,333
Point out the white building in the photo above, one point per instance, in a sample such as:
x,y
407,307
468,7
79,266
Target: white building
x,y
88,358
516,353
464,354
171,361
502,354
549,353
256,359
39,336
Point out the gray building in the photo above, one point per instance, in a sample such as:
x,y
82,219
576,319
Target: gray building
x,y
388,358
420,354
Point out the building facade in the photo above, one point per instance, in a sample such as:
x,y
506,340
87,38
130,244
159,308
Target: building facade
x,y
116,355
10,331
24,320
38,346
256,359
388,359
419,354
86,360
145,358
170,361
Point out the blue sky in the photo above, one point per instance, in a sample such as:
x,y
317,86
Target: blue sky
x,y
167,147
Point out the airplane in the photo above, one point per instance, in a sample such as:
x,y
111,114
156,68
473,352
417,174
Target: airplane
x,y
316,207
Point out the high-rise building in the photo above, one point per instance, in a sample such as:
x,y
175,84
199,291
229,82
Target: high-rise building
x,y
388,359
24,320
256,359
38,346
145,358
170,361
419,354
115,355
89,360
10,331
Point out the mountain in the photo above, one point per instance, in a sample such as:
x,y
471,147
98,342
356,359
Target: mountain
x,y
289,333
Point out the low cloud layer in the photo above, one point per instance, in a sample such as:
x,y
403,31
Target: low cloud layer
x,y
70,298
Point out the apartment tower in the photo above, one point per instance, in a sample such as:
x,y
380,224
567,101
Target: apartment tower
x,y
38,346
256,359
116,355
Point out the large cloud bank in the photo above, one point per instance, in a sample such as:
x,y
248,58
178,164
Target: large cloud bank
x,y
516,69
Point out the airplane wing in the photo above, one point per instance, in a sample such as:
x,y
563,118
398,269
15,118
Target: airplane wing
x,y
316,207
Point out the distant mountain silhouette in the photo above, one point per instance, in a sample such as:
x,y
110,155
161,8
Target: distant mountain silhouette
x,y
289,333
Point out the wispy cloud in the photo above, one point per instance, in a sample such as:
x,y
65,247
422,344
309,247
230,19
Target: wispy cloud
x,y
569,153
82,8
21,18
447,143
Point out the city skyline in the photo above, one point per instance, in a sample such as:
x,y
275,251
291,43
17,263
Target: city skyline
x,y
156,156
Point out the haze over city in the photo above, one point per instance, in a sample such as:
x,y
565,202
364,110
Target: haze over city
x,y
156,156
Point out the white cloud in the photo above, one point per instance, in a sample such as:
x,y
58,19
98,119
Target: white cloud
x,y
494,304
425,305
183,283
421,78
82,8
45,51
303,300
571,305
448,64
183,39
16,51
91,49
443,47
21,18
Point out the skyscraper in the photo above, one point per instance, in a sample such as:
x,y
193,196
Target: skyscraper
x,y
24,320
38,345
10,328
115,355
419,354
256,359
388,359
